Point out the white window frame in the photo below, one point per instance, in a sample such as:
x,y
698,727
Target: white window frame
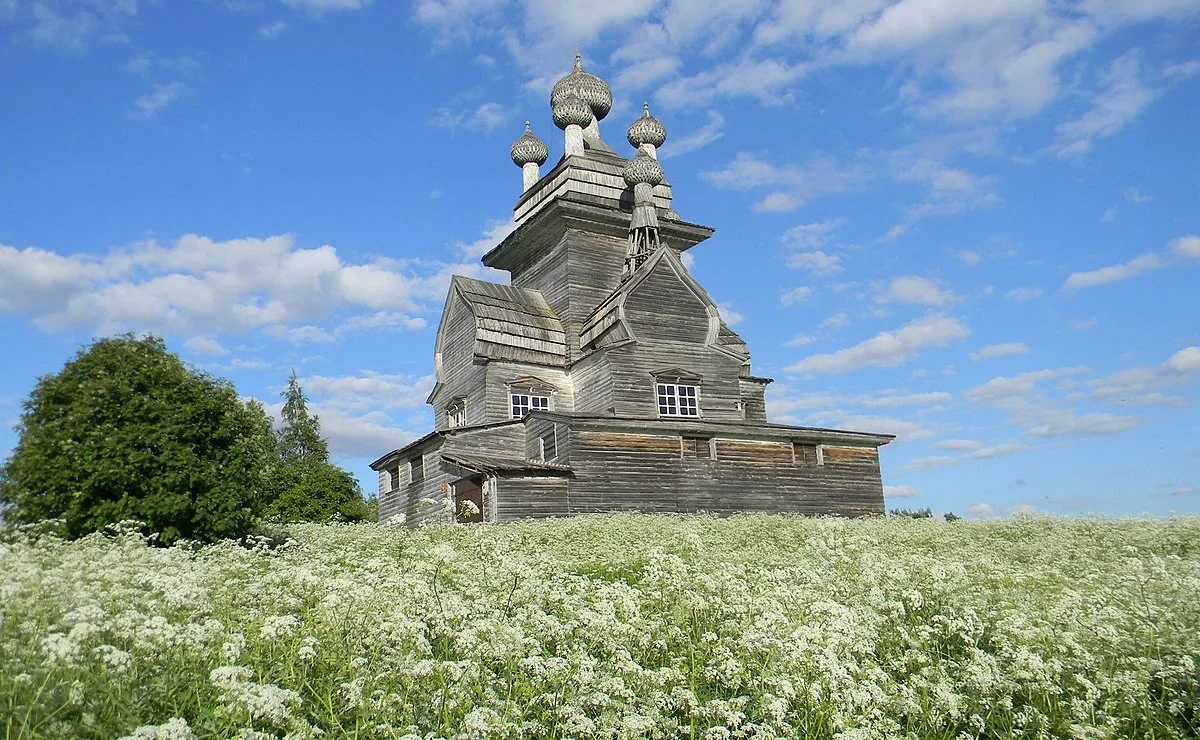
x,y
677,400
520,404
456,414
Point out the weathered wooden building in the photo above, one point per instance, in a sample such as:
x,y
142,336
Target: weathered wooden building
x,y
603,378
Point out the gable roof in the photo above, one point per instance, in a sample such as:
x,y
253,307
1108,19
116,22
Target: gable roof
x,y
512,323
608,320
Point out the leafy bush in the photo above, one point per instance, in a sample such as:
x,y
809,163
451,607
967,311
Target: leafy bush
x,y
127,431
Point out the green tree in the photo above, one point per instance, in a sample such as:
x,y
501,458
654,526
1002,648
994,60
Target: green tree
x,y
306,487
128,431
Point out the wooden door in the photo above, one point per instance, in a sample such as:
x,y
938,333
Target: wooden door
x,y
468,500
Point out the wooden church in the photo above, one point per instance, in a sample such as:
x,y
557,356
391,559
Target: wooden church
x,y
603,378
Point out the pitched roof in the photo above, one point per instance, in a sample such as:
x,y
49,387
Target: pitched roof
x,y
485,463
513,323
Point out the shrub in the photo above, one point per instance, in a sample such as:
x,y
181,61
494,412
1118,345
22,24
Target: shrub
x,y
126,431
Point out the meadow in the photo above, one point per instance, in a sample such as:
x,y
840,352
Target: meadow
x,y
610,627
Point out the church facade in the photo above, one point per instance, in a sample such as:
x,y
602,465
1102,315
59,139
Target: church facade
x,y
602,378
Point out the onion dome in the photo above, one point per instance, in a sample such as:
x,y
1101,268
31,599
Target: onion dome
x,y
646,130
643,169
570,109
529,148
589,88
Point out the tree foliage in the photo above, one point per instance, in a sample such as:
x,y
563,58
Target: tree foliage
x,y
306,487
126,430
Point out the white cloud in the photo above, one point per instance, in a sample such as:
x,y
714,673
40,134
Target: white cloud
x,y
196,286
1186,360
1182,71
483,117
836,321
818,263
933,399
796,184
1021,295
1003,390
919,290
272,30
494,232
810,236
800,340
889,348
162,96
205,346
1186,246
928,463
1041,415
1121,99
324,6
768,80
949,190
796,295
958,445
1000,350
984,453
1114,273
369,390
968,257
982,509
898,491
701,137
1083,324
728,315
1066,423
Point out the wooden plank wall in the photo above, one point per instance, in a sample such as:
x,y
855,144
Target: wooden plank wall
x,y
500,374
617,471
461,375
633,385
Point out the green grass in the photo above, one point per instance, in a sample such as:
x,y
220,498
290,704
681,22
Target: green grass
x,y
612,626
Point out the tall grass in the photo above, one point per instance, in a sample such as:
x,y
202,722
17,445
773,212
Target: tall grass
x,y
611,626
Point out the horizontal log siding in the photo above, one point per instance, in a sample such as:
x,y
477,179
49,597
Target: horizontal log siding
x,y
407,498
500,374
462,376
592,385
648,472
753,403
531,497
633,389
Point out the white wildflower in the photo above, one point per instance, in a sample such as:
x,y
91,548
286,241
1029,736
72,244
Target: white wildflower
x,y
175,728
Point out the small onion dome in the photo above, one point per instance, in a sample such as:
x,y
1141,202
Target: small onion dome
x,y
673,215
646,130
589,88
643,169
571,109
529,148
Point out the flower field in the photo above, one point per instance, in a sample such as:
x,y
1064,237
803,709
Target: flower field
x,y
611,626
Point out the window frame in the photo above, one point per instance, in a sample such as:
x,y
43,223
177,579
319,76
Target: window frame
x,y
456,414
415,465
676,395
529,397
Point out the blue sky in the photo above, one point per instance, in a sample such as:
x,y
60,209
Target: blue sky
x,y
973,225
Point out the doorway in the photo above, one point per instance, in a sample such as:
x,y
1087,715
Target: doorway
x,y
468,500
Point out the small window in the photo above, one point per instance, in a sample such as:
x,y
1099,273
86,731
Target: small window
x,y
549,446
523,403
675,399
456,414
393,478
416,470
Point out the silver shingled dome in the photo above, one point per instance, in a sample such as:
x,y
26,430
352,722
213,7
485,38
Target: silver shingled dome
x,y
587,87
571,109
529,148
642,168
646,130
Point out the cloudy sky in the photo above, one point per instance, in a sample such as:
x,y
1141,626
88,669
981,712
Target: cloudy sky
x,y
973,225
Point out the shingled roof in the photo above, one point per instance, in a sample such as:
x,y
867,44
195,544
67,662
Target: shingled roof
x,y
513,323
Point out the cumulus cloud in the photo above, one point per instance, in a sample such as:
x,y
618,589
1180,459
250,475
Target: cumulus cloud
x,y
199,287
958,445
796,295
919,290
1114,273
1121,98
889,348
151,103
791,185
206,346
899,491
698,139
982,509
1020,295
1146,386
1029,406
483,117
1000,350
1186,246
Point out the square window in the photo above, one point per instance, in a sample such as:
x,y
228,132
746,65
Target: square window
x,y
416,470
678,400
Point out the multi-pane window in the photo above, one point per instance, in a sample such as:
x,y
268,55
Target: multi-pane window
x,y
675,399
523,403
456,414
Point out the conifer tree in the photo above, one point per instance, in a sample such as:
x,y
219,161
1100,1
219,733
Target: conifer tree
x,y
306,485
